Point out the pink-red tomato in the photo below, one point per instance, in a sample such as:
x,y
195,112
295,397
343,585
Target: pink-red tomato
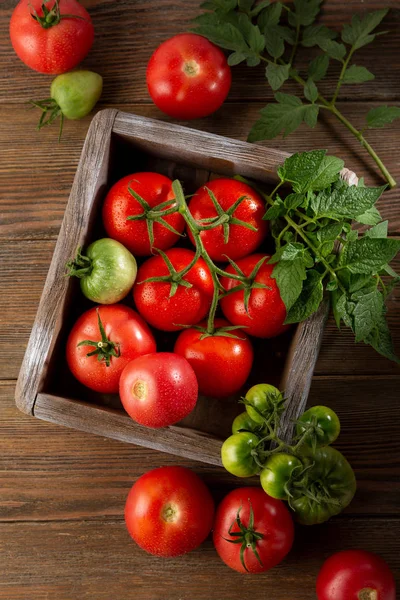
x,y
222,364
266,311
169,511
241,241
355,575
188,77
271,535
126,332
159,389
121,204
187,306
56,42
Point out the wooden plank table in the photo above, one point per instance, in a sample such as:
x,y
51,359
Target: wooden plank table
x,y
62,492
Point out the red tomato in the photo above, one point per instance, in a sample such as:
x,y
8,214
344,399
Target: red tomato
x,y
188,77
266,310
272,523
187,306
120,204
241,240
222,364
169,511
125,331
57,43
158,390
355,575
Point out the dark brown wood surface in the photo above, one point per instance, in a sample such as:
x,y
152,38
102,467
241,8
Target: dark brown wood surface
x,y
62,491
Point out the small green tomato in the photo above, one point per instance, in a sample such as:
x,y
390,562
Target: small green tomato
x,y
260,398
323,424
238,456
245,423
277,474
73,95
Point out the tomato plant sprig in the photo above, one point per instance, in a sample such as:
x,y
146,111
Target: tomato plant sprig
x,y
273,34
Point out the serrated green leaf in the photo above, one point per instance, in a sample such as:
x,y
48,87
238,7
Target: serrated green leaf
x,y
293,201
378,231
314,34
357,34
311,112
332,285
369,255
286,115
381,340
382,115
311,91
236,58
223,5
225,35
277,75
275,211
309,299
318,67
260,7
305,12
270,16
310,171
350,202
330,232
246,5
274,42
333,49
367,313
358,281
356,74
252,61
290,271
342,309
251,33
371,216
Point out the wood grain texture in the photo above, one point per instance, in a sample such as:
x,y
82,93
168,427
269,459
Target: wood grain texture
x,y
97,560
42,186
128,31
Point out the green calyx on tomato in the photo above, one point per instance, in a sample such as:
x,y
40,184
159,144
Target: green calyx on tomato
x,y
104,348
73,95
279,472
248,283
51,16
264,403
321,424
239,454
328,487
154,215
246,536
107,271
175,278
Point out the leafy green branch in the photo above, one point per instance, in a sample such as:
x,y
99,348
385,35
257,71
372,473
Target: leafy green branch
x,y
273,33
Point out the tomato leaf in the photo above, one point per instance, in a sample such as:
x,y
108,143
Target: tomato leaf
x,y
310,171
309,300
355,74
368,255
382,115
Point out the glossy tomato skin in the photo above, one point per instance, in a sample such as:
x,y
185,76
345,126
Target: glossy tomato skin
x,y
159,389
222,364
355,575
271,518
187,306
236,454
326,422
120,204
125,328
169,511
54,50
242,241
266,310
188,77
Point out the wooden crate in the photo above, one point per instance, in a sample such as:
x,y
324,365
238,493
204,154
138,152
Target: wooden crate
x,y
118,144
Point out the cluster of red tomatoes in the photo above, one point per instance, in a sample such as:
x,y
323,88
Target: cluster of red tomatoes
x,y
111,348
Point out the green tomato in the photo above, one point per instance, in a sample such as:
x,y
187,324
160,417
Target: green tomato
x,y
277,474
236,454
76,92
331,485
260,397
326,423
107,271
244,423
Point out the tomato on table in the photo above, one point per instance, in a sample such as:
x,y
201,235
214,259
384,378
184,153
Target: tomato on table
x,y
355,575
168,304
188,77
51,37
265,525
115,335
121,203
169,511
245,229
266,312
222,364
158,389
